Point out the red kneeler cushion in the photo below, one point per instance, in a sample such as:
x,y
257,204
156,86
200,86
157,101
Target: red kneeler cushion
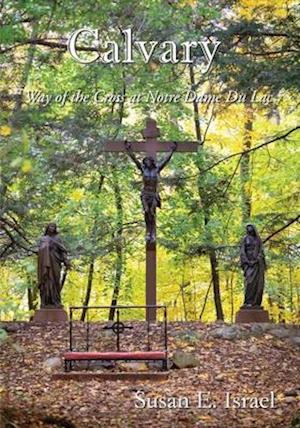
x,y
147,355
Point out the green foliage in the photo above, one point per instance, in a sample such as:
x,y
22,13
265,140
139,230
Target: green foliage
x,y
3,335
52,167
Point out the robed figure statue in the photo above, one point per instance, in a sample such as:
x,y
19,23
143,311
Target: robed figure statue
x,y
253,264
52,256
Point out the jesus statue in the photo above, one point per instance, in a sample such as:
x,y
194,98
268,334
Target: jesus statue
x,y
150,170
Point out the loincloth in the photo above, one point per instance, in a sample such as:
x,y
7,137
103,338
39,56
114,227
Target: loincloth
x,y
149,197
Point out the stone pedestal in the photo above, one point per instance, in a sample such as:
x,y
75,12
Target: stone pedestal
x,y
50,315
245,315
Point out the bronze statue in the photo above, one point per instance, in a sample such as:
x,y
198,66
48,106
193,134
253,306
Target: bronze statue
x,y
150,170
52,255
253,264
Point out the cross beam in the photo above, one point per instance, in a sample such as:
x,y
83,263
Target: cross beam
x,y
154,147
151,146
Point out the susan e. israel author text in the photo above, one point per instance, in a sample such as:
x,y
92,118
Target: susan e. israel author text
x,y
203,400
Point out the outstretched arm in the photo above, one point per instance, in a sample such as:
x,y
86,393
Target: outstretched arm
x,y
132,155
164,162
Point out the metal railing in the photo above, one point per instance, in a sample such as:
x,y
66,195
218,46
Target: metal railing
x,y
117,326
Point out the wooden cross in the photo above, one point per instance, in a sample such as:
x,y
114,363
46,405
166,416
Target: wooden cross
x,y
151,146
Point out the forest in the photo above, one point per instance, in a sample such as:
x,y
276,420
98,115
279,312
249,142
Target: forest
x,y
56,115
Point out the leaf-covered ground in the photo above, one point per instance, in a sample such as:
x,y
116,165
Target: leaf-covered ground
x,y
252,364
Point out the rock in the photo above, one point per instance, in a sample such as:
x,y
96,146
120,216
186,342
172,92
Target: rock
x,y
103,364
281,333
189,336
295,340
94,365
294,331
18,348
135,366
157,365
259,328
220,377
182,360
3,335
12,327
253,349
292,392
266,326
290,399
226,332
243,333
136,388
256,329
52,363
107,330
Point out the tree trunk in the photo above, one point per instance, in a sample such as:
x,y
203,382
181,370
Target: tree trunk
x,y
214,265
212,253
271,305
216,283
32,298
231,298
183,301
24,76
119,248
88,288
281,315
245,174
32,294
205,300
93,258
195,106
291,289
281,307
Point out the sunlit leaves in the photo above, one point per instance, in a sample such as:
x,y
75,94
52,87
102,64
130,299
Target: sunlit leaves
x,y
77,195
26,166
5,131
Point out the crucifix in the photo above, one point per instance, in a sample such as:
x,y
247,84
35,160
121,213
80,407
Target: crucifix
x,y
150,169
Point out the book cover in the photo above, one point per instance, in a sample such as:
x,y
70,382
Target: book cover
x,y
149,213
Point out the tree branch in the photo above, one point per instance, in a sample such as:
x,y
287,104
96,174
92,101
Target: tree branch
x,y
280,52
282,228
15,227
49,44
259,146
